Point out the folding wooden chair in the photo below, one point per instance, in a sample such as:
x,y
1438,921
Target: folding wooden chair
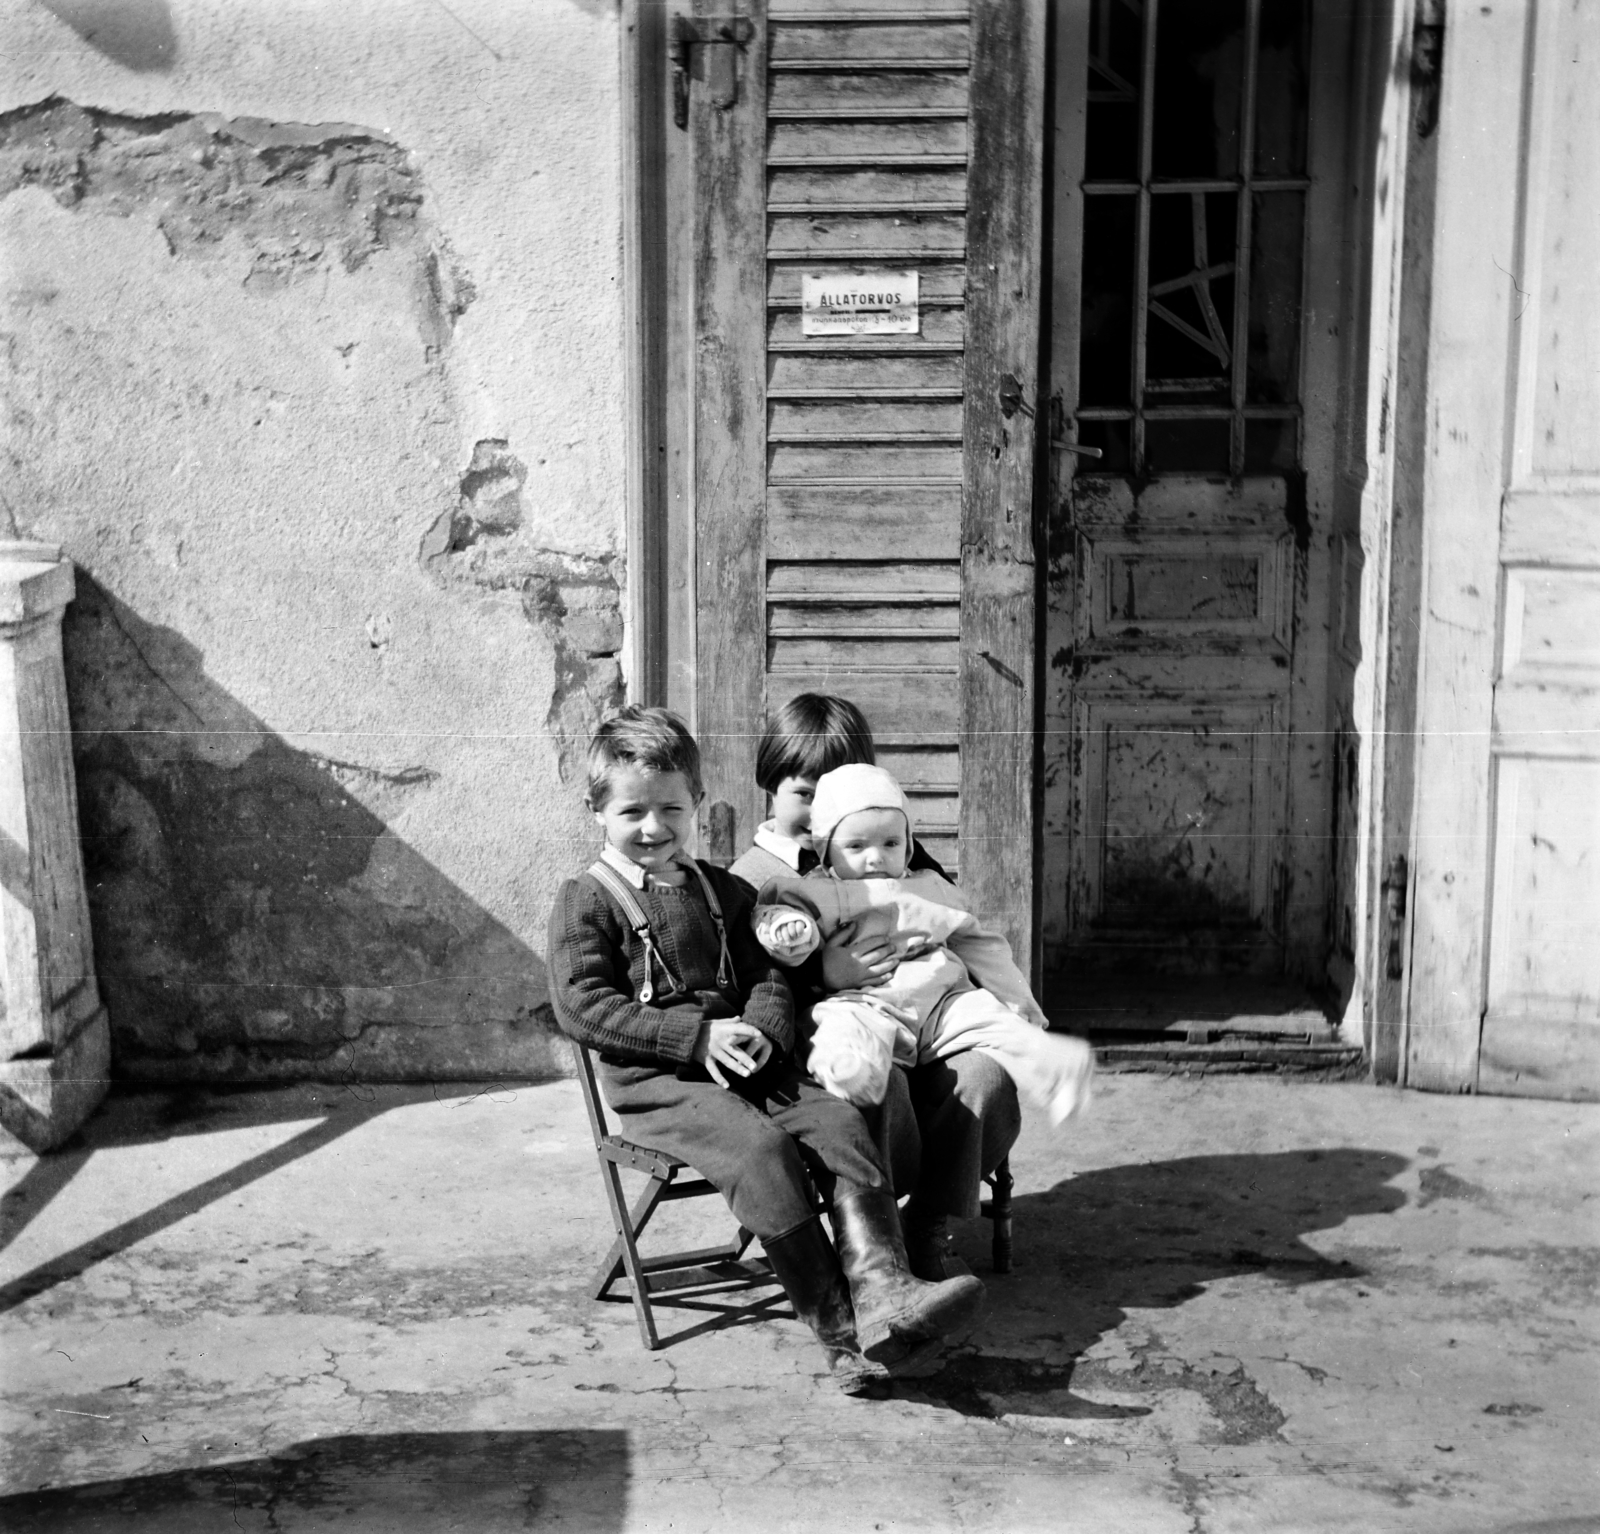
x,y
711,1267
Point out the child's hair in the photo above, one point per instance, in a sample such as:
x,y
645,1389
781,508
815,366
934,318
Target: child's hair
x,y
652,738
810,735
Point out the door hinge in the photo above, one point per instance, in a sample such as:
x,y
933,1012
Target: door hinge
x,y
1011,400
722,38
1396,881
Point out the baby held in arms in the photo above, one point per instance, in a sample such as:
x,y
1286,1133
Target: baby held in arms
x,y
956,986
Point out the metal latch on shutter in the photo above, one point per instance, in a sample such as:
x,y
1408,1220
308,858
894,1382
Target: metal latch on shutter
x,y
721,39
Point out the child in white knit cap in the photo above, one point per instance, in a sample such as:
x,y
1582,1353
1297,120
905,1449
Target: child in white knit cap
x,y
956,987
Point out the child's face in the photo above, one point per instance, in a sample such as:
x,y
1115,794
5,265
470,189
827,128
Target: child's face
x,y
648,815
791,807
869,844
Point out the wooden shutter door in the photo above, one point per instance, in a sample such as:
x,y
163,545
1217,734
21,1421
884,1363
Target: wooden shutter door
x,y
864,504
1505,968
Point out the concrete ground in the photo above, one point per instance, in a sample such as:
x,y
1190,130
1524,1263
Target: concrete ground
x,y
1239,1304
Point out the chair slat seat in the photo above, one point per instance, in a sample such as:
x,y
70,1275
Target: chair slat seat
x,y
707,1267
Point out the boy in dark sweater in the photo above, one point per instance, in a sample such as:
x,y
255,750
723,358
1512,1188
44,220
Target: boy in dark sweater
x,y
694,1027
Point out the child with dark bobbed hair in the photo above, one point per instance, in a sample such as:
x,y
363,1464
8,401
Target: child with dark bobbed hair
x,y
945,1124
813,733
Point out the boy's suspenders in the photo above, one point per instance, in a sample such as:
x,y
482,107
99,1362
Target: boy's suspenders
x,y
618,888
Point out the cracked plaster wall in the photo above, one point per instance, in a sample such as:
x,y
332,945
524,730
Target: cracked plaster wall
x,y
311,338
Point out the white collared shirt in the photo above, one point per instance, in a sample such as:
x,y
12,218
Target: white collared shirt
x,y
785,848
631,871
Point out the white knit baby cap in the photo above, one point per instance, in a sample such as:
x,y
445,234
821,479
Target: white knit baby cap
x,y
848,789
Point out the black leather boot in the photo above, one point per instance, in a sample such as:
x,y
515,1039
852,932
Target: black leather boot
x,y
806,1265
928,1246
893,1308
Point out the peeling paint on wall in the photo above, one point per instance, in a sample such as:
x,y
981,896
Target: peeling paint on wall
x,y
575,600
259,907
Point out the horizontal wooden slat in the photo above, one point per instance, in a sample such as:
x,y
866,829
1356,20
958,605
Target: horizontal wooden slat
x,y
824,187
879,39
793,11
866,617
788,371
833,581
903,707
864,395
914,655
865,136
796,12
864,521
938,327
884,114
861,420
859,162
911,208
873,65
919,768
787,460
866,237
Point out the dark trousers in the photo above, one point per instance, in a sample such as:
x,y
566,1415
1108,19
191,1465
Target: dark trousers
x,y
757,1142
968,1118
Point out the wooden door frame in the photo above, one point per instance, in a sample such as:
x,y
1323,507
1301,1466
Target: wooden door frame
x,y
1001,648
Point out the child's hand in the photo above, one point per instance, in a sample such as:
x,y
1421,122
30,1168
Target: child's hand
x,y
870,963
732,1043
790,936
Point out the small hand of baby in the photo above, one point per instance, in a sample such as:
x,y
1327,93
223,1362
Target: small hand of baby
x,y
732,1043
790,936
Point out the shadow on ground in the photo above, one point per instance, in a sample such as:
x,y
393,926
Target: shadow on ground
x,y
1150,1236
140,1117
485,1482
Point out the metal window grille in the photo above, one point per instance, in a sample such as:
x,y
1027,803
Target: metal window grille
x,y
1212,329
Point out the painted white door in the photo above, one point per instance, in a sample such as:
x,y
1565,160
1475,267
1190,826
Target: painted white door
x,y
1505,956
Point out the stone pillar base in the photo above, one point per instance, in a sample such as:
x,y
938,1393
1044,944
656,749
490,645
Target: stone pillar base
x,y
44,1098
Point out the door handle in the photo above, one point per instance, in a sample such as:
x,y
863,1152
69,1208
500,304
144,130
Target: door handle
x,y
1058,432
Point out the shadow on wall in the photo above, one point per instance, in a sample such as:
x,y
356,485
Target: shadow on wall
x,y
134,33
486,1482
1149,1236
254,917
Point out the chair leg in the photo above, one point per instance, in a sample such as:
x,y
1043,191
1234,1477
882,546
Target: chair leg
x,y
630,1254
638,1217
1000,1211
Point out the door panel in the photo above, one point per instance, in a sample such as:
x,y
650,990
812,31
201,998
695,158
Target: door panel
x,y
1178,688
1505,978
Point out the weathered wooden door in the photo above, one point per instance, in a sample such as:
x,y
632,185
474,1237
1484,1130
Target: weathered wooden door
x,y
1505,847
861,505
1183,789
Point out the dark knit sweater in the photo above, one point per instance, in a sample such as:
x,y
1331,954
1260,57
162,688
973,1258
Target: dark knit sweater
x,y
597,966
